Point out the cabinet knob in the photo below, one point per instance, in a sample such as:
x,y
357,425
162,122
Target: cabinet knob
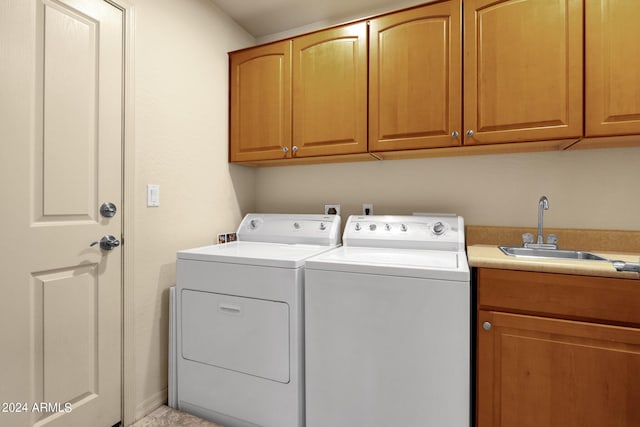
x,y
486,326
455,134
294,148
470,133
285,149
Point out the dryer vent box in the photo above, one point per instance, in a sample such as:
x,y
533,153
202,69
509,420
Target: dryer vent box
x,y
332,209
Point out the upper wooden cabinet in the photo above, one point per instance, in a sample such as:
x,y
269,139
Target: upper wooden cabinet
x,y
260,112
330,92
415,78
522,70
463,79
612,99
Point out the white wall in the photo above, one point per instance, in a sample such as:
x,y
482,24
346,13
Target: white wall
x,y
181,104
597,189
288,15
587,189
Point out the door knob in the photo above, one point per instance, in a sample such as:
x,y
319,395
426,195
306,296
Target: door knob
x,y
108,210
107,242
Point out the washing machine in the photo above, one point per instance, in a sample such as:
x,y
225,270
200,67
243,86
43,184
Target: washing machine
x,y
240,321
387,325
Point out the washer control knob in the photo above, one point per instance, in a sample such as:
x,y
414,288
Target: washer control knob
x,y
438,228
322,226
387,227
372,227
403,227
296,225
253,224
358,226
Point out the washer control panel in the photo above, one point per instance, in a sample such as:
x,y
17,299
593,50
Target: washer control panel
x,y
291,228
444,232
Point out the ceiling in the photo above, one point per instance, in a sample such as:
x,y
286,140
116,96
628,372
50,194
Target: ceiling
x,y
269,17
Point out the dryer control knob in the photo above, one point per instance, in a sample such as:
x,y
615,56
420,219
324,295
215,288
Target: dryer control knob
x,y
322,226
403,227
387,227
296,225
358,226
372,227
438,228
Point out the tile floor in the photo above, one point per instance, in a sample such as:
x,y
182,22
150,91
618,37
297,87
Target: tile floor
x,y
169,417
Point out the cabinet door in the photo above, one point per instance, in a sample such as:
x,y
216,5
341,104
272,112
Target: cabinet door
x,y
415,78
260,103
522,70
330,92
612,103
535,371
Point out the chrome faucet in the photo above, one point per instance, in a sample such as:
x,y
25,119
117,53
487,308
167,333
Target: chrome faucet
x,y
552,239
543,205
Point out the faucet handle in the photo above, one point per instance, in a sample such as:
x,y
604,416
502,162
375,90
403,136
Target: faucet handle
x,y
527,238
552,239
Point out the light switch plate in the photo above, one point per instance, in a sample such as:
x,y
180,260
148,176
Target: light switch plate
x,y
153,195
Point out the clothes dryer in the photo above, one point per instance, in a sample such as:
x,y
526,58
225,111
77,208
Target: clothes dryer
x,y
240,321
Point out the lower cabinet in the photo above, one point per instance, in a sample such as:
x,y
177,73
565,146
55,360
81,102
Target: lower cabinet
x,y
536,368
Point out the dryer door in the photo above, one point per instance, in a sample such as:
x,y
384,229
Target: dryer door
x,y
246,335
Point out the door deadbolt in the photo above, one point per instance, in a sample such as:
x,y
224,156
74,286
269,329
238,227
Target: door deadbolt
x,y
108,210
107,242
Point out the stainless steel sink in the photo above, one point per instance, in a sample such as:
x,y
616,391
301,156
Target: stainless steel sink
x,y
519,251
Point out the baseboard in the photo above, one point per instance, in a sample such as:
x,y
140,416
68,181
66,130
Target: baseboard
x,y
151,404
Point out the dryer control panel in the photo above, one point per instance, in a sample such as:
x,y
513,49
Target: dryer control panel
x,y
434,232
291,228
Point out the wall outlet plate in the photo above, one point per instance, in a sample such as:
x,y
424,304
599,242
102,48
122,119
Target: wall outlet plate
x,y
367,209
332,209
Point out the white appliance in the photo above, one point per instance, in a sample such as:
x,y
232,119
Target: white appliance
x,y
240,321
387,325
172,392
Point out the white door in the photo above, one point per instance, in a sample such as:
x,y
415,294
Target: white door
x,y
61,126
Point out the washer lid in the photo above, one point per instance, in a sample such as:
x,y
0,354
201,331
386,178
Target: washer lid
x,y
255,253
445,265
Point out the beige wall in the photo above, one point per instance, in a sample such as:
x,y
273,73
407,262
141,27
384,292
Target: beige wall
x,y
285,15
586,189
181,144
181,92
